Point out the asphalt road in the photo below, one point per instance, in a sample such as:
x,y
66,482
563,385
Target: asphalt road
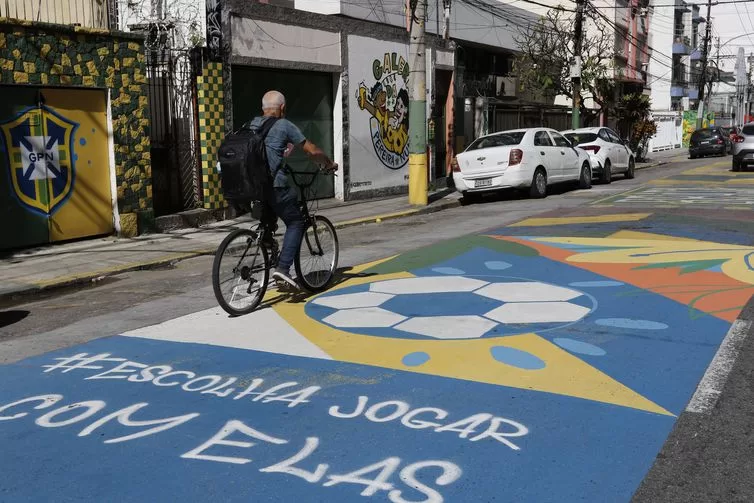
x,y
139,298
632,431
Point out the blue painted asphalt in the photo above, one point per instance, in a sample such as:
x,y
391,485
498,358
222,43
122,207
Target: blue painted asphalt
x,y
567,449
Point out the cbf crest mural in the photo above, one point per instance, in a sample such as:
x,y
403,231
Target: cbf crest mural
x,y
386,100
40,158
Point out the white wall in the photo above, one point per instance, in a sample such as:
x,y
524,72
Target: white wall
x,y
265,39
378,154
466,22
660,73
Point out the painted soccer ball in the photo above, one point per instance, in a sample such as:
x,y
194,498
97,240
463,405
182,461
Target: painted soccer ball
x,y
450,307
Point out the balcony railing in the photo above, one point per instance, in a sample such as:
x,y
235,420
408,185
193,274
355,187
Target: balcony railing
x,y
86,13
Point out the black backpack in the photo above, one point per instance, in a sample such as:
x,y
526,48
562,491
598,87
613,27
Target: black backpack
x,y
244,172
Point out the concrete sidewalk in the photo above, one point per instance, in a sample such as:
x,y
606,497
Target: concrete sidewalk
x,y
54,266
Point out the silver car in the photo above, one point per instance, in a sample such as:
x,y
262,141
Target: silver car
x,y
743,148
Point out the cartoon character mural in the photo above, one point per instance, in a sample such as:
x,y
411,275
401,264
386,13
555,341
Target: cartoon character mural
x,y
387,103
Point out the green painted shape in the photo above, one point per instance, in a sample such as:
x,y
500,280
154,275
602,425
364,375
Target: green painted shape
x,y
417,127
686,267
19,226
438,253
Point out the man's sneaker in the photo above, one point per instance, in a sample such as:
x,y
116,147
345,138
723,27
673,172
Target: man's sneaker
x,y
282,276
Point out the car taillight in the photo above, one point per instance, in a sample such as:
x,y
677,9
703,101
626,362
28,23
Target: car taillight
x,y
720,141
455,166
591,148
515,157
738,139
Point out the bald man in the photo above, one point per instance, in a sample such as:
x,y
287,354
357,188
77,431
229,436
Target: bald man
x,y
284,203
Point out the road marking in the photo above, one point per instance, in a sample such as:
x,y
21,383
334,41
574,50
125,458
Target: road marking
x,y
267,332
712,384
546,222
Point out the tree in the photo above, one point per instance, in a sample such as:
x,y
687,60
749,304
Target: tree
x,y
633,113
547,49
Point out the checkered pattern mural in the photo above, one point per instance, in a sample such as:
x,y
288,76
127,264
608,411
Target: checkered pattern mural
x,y
211,130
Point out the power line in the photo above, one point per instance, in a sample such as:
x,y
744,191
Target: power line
x,y
721,2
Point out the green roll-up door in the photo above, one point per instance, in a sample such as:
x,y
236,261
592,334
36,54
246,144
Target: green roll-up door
x,y
24,197
309,105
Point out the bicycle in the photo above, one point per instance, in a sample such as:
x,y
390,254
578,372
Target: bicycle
x,y
242,264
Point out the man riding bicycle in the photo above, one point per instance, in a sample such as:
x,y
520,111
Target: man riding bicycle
x,y
284,201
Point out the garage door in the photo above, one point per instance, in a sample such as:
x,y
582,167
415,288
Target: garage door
x,y
54,153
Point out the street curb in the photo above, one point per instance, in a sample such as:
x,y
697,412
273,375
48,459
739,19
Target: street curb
x,y
445,205
89,278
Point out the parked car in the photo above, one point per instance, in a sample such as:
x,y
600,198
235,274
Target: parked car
x,y
523,158
728,134
708,141
609,154
743,148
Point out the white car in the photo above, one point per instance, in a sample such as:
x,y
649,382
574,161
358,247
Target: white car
x,y
610,154
523,158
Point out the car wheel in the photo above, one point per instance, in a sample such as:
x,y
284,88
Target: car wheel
x,y
607,173
735,166
585,180
538,188
631,171
692,156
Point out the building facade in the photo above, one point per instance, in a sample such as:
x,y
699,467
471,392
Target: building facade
x,y
676,63
74,126
345,71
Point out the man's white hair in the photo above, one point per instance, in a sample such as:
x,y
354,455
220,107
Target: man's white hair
x,y
273,100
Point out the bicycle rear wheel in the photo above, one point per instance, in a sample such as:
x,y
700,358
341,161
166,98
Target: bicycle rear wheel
x,y
240,272
317,257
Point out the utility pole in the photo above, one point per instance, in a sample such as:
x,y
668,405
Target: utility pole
x,y
703,72
417,108
716,79
576,68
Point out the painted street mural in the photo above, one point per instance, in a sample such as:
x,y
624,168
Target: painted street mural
x,y
544,361
55,180
379,73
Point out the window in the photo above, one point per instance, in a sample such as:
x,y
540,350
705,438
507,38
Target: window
x,y
581,138
604,136
497,140
748,129
613,137
559,140
703,134
542,139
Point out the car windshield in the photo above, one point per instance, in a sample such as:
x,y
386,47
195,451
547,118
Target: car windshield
x,y
749,129
703,134
497,140
581,138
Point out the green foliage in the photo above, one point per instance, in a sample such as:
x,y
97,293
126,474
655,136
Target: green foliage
x,y
547,50
633,114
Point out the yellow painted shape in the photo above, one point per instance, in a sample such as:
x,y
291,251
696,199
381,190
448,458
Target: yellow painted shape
x,y
469,360
648,236
706,183
417,179
654,251
375,218
88,211
546,222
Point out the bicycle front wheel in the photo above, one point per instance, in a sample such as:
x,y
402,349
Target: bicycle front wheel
x,y
317,257
240,272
